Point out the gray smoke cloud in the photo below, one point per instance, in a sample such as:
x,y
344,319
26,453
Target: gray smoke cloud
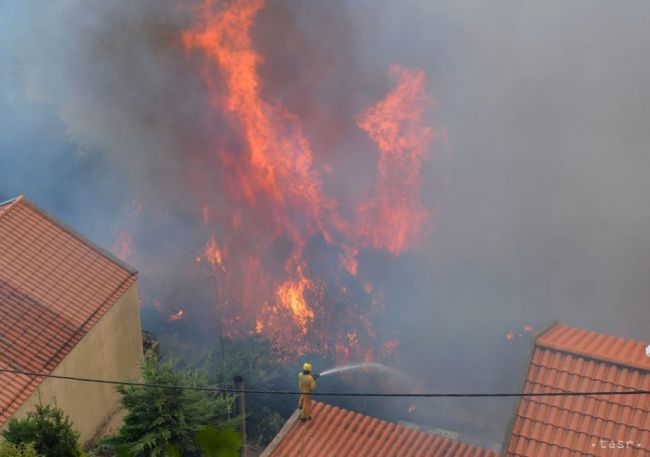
x,y
546,105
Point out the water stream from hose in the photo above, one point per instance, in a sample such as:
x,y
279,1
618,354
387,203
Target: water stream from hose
x,y
368,366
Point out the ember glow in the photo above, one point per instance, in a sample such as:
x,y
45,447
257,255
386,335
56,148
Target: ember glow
x,y
525,329
277,204
123,246
177,316
213,254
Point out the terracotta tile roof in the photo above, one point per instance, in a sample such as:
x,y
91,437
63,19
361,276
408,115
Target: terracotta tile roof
x,y
339,432
54,287
569,359
6,205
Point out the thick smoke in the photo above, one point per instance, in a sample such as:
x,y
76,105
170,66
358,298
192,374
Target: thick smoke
x,y
546,107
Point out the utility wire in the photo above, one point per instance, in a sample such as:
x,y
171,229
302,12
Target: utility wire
x,y
326,394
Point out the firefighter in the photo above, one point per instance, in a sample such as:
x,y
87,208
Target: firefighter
x,y
306,383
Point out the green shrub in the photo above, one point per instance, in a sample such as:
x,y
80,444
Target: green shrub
x,y
17,450
48,429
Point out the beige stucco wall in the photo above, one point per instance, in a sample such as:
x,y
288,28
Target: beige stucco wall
x,y
112,349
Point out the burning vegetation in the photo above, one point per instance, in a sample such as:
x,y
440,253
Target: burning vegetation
x,y
275,220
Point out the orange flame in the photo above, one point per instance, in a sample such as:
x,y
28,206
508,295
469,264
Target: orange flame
x,y
291,295
395,217
275,176
279,162
213,253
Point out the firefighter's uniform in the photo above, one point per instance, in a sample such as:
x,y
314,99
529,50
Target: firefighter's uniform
x,y
306,383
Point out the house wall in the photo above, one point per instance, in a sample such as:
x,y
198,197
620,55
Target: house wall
x,y
112,349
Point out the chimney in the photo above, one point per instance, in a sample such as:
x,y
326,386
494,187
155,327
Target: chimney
x,y
241,412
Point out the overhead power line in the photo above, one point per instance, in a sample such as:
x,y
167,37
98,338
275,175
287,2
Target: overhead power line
x,y
326,394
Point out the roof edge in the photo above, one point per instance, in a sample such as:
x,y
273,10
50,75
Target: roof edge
x,y
523,376
100,250
12,200
585,354
10,204
546,329
332,414
281,434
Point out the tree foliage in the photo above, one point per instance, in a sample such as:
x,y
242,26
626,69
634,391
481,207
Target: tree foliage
x,y
8,449
166,421
47,429
255,359
219,443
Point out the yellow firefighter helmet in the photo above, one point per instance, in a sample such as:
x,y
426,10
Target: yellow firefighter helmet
x,y
307,366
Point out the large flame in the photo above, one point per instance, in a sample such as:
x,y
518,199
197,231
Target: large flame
x,y
278,169
394,216
277,204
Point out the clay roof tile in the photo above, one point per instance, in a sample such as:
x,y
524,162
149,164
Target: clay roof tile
x,y
54,285
362,436
571,359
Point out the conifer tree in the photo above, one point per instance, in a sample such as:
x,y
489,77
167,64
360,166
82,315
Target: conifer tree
x,y
166,421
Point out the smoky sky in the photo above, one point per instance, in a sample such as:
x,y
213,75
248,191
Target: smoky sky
x,y
546,106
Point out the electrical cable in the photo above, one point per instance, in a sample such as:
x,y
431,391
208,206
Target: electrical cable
x,y
328,394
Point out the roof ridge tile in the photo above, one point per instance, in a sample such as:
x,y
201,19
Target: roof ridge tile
x,y
6,206
598,346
